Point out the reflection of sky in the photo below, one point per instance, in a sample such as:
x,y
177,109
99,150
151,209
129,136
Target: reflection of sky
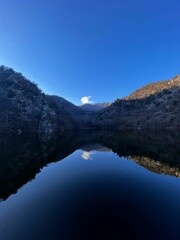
x,y
87,155
102,187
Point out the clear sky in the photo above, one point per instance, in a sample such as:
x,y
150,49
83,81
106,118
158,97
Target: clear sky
x,y
100,48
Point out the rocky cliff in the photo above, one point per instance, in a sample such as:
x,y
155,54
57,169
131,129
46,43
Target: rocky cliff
x,y
23,105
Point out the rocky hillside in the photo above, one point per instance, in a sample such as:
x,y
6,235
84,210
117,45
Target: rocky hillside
x,y
24,107
154,88
155,106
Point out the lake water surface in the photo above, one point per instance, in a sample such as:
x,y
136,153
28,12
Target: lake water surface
x,y
90,185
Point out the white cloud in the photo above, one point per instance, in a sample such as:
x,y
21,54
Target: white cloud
x,y
86,100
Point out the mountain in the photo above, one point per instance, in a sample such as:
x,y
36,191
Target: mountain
x,y
94,107
69,115
154,88
24,107
154,106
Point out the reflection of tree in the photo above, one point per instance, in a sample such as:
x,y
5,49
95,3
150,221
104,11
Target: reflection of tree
x,y
156,166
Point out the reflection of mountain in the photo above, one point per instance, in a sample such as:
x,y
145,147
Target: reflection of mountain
x,y
89,150
95,147
156,166
23,157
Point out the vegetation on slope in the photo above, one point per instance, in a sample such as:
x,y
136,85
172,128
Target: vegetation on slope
x,y
154,88
154,106
23,105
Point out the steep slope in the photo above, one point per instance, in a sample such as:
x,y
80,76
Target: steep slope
x,y
154,106
23,105
25,108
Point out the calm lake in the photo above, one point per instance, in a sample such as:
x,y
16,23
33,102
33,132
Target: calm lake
x,y
90,185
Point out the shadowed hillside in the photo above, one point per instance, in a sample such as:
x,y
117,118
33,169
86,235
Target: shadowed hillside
x,y
24,107
94,107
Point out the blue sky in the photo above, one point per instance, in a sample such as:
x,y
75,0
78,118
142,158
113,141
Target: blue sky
x,y
100,48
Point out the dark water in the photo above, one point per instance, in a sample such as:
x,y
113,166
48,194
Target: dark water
x,y
90,185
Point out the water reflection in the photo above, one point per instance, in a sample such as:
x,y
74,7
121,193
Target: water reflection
x,y
21,158
87,155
